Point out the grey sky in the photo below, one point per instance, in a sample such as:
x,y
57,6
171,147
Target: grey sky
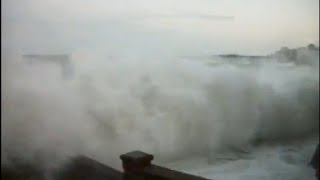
x,y
167,26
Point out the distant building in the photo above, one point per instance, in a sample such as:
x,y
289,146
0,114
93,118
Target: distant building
x,y
312,47
303,55
62,60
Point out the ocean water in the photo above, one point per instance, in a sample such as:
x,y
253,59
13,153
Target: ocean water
x,y
277,161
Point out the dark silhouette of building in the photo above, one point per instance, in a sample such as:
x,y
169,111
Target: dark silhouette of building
x,y
62,60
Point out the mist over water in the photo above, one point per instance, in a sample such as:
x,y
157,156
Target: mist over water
x,y
168,106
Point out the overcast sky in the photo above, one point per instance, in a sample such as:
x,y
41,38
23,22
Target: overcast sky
x,y
179,26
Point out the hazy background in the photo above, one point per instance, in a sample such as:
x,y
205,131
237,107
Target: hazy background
x,y
169,26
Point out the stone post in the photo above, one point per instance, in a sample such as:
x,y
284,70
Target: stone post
x,y
133,163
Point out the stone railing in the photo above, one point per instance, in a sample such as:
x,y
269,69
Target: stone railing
x,y
136,166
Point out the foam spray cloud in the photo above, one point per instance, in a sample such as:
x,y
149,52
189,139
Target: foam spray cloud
x,y
168,106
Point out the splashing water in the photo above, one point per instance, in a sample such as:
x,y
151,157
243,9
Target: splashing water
x,y
174,108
